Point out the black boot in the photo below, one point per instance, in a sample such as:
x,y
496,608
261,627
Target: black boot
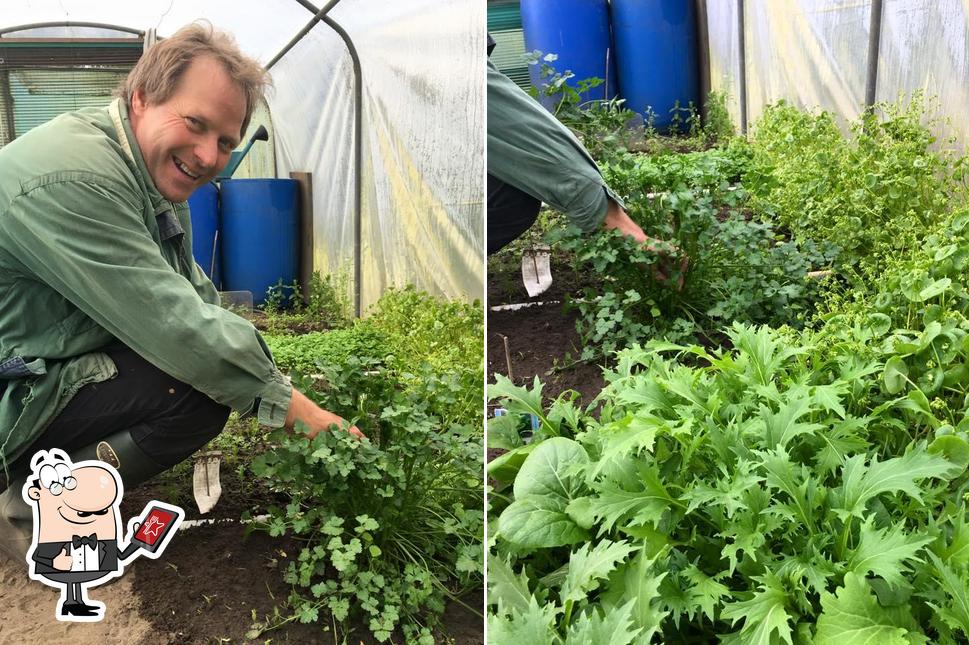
x,y
121,451
16,522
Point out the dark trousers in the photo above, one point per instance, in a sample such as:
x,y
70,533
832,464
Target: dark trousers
x,y
167,419
510,213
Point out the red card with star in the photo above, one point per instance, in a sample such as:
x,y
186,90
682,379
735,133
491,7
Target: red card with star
x,y
156,525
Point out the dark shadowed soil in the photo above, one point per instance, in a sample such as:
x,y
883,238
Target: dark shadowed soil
x,y
542,340
213,579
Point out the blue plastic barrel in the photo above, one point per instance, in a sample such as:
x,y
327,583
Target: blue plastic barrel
x,y
260,234
577,31
656,55
203,207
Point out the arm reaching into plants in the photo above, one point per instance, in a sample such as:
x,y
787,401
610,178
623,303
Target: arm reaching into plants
x,y
617,218
315,418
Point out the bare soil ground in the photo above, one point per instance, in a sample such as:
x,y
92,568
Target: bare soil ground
x,y
206,588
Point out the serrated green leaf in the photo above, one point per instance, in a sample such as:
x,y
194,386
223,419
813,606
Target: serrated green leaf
x,y
637,582
853,615
900,474
839,442
794,480
644,506
589,565
764,615
706,591
507,589
614,628
885,552
956,587
782,426
626,438
539,521
519,400
536,625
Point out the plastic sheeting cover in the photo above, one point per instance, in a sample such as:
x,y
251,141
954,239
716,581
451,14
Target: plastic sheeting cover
x,y
423,166
811,52
423,134
925,46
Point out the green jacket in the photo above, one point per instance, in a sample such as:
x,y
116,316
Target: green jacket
x,y
91,252
530,149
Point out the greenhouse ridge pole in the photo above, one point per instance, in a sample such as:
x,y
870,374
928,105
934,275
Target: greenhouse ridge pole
x,y
319,15
302,32
742,53
874,44
93,25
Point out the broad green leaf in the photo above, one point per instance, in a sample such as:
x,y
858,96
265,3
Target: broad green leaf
x,y
505,467
956,586
895,375
552,469
899,474
764,615
853,615
953,448
507,589
582,511
885,552
503,432
539,521
591,564
614,628
536,625
934,288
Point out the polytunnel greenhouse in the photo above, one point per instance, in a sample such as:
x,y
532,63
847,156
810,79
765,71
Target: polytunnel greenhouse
x,y
241,349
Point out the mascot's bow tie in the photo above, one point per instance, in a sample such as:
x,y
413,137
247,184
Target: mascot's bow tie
x,y
89,540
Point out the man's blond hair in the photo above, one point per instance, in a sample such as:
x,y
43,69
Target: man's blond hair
x,y
162,66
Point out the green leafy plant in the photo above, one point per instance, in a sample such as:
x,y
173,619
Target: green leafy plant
x,y
738,269
391,525
875,192
748,495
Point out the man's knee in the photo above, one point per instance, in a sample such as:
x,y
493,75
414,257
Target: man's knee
x,y
194,422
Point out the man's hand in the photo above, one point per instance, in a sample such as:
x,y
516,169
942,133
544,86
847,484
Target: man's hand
x,y
63,561
617,218
315,418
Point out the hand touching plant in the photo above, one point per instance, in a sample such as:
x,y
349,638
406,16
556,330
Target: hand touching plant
x,y
671,263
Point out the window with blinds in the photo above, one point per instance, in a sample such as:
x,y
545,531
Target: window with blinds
x,y
505,26
40,79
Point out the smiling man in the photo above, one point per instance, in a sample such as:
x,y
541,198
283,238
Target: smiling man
x,y
112,341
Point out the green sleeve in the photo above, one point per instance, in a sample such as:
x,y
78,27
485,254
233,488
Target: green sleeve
x,y
530,149
87,239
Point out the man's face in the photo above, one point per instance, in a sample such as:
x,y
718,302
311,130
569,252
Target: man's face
x,y
187,140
